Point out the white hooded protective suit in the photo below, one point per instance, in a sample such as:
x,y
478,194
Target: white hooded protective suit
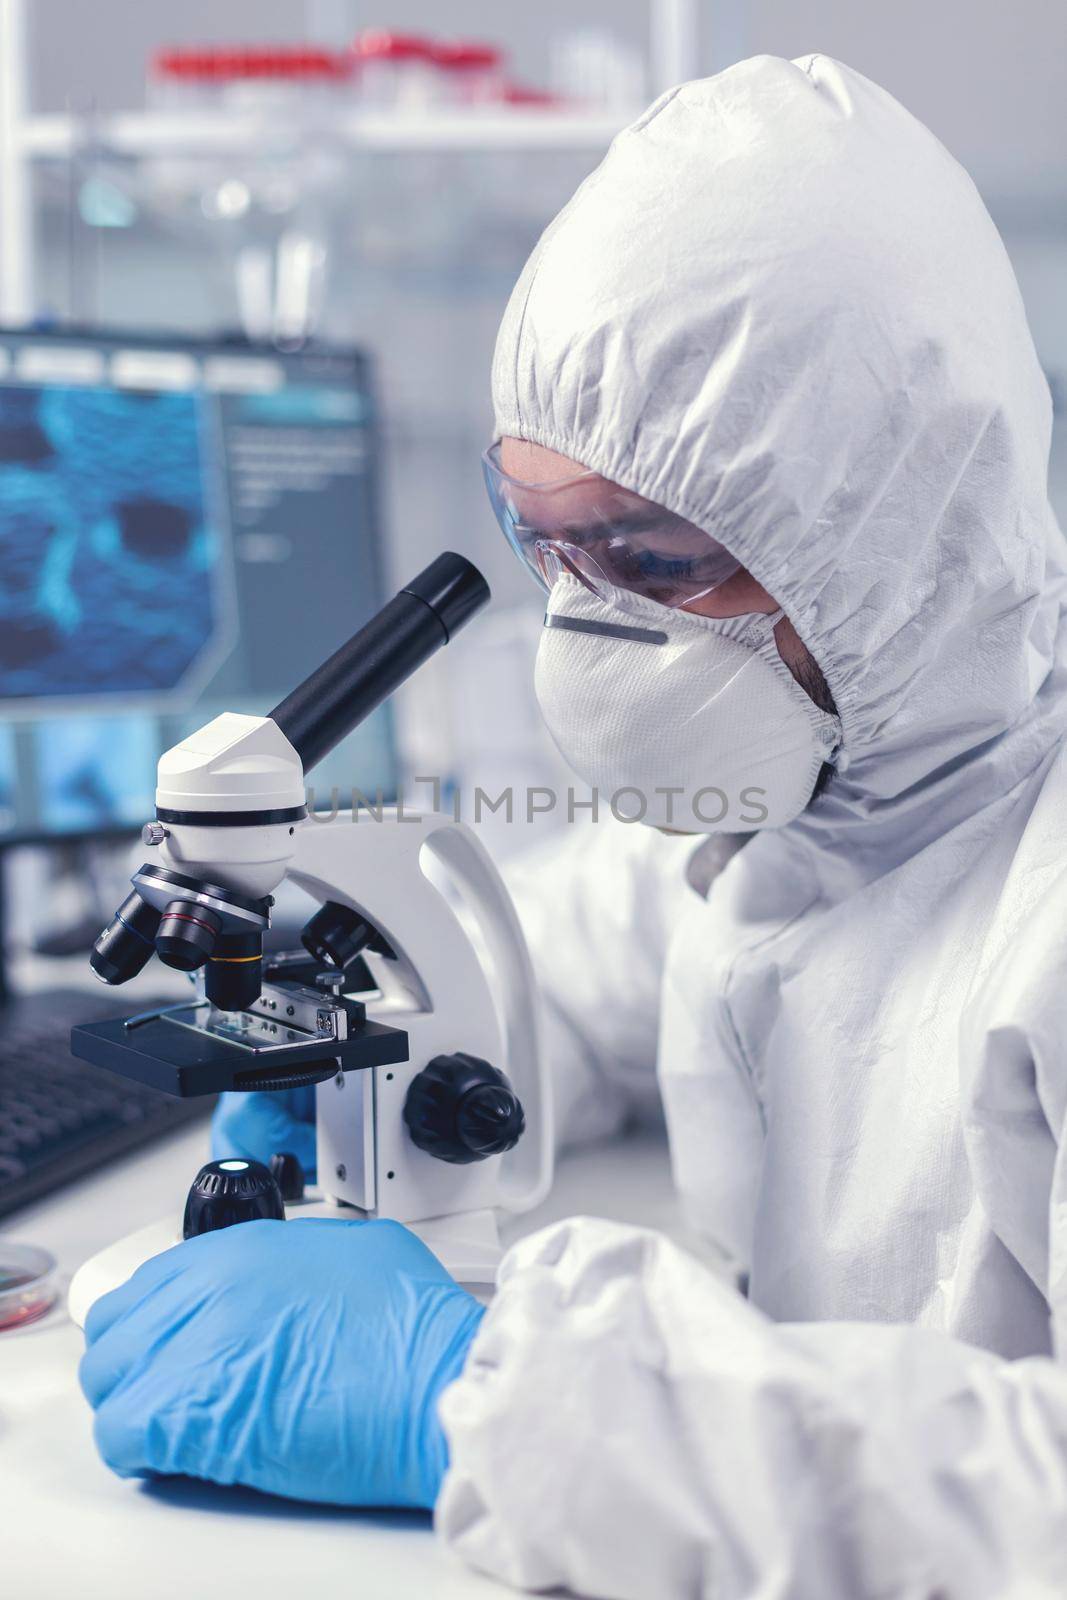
x,y
780,309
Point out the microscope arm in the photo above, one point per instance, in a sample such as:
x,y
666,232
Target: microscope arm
x,y
449,989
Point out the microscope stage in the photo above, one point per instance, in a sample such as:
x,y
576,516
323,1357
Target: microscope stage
x,y
188,1061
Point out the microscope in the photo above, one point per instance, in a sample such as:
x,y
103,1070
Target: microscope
x,y
411,1007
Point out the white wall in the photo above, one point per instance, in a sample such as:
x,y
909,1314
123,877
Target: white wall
x,y
989,77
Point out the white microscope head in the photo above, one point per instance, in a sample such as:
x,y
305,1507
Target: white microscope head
x,y
228,800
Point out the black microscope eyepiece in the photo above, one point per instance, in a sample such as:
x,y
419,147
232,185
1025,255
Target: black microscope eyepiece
x,y
407,631
453,588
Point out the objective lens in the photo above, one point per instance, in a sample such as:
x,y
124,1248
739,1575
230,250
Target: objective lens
x,y
187,934
233,979
336,934
123,949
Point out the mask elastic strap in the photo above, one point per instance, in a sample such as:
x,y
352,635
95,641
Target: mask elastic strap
x,y
766,624
839,758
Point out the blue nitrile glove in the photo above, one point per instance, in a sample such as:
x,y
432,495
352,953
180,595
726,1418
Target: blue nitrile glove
x,y
260,1125
302,1358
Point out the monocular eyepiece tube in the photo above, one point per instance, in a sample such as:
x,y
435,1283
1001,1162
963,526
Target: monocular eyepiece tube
x,y
355,680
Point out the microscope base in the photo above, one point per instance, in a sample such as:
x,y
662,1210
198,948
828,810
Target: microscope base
x,y
467,1245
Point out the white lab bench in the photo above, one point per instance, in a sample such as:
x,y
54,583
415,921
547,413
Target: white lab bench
x,y
69,1527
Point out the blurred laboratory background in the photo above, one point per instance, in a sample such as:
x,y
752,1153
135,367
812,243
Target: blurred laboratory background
x,y
252,259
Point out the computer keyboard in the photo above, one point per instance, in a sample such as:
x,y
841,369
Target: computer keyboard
x,y
61,1118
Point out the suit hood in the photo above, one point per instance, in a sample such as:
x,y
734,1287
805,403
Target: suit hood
x,y
780,309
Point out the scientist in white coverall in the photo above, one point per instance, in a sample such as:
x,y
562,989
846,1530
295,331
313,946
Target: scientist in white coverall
x,y
778,311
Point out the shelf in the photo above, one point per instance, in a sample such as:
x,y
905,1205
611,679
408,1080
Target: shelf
x,y
205,132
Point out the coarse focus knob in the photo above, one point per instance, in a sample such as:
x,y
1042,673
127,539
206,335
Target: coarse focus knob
x,y
225,1192
461,1109
288,1174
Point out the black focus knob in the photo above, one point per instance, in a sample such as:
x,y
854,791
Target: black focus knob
x,y
461,1109
288,1174
225,1192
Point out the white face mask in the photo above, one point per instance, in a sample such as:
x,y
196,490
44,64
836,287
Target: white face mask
x,y
679,720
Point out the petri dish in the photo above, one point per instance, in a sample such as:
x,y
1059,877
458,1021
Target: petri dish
x,y
29,1283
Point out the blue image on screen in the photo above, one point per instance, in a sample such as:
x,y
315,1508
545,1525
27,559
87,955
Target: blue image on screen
x,y
8,779
109,551
95,772
307,406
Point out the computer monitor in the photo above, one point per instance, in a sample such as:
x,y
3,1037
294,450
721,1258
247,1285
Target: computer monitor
x,y
186,527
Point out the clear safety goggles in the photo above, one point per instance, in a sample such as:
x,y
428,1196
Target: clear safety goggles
x,y
607,537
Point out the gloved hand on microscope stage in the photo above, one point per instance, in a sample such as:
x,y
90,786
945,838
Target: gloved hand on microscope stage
x,y
305,1359
260,1125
